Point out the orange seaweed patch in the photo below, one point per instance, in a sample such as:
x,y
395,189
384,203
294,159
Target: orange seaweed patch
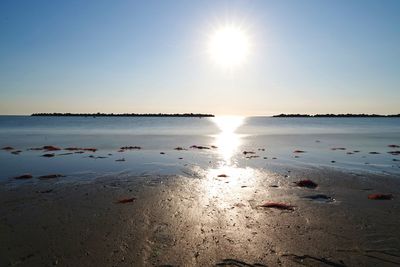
x,y
126,200
306,183
8,148
380,196
277,205
24,176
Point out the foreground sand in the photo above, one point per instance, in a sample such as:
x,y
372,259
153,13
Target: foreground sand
x,y
195,220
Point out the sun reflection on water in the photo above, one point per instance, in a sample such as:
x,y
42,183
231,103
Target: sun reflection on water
x,y
228,141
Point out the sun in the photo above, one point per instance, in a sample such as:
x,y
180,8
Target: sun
x,y
229,46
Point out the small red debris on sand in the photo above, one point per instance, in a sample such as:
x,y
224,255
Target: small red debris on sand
x,y
374,153
162,153
248,152
252,157
222,175
277,205
338,148
299,151
130,147
16,152
214,147
200,147
380,196
24,176
394,146
51,176
120,159
179,148
8,148
51,148
126,200
48,155
394,153
306,183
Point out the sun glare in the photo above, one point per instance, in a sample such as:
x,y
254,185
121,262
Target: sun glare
x,y
229,46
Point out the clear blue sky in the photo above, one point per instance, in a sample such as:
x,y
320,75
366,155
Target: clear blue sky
x,y
149,56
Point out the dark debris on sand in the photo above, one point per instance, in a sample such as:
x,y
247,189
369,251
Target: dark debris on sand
x,y
306,183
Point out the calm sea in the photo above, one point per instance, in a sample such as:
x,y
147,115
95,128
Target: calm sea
x,y
350,143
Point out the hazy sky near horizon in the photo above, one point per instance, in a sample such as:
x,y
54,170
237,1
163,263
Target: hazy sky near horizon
x,y
150,56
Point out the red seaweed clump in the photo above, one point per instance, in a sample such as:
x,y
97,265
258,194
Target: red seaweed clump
x,y
277,205
394,146
8,148
380,196
306,183
51,148
126,200
24,176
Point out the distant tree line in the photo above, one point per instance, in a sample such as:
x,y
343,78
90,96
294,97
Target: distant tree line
x,y
348,115
122,115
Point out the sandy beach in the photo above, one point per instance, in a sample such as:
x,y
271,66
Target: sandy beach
x,y
202,220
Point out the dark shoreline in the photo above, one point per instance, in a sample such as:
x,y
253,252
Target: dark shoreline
x,y
336,116
190,115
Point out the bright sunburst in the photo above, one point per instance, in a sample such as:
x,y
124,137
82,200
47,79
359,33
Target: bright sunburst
x,y
229,46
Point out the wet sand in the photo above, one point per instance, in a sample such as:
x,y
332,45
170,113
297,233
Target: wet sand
x,y
202,220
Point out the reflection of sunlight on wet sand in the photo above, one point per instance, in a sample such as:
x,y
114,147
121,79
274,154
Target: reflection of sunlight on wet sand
x,y
227,140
